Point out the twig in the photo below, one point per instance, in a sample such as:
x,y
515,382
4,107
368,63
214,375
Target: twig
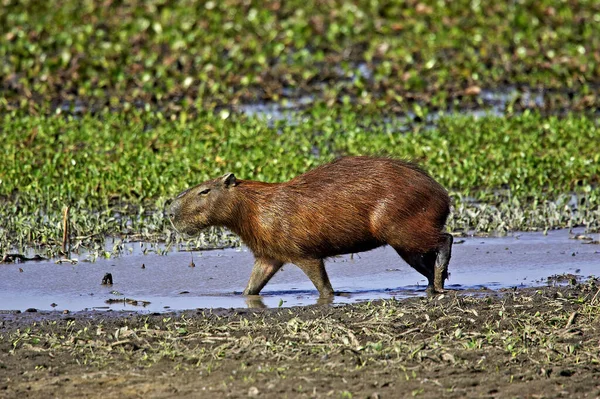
x,y
595,296
117,343
571,319
65,243
410,331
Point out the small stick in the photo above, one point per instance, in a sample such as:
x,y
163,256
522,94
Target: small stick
x,y
595,296
65,242
571,319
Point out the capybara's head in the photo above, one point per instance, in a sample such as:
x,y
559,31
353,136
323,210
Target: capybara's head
x,y
207,204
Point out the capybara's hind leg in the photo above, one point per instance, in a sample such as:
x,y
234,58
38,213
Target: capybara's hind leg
x,y
423,263
315,270
441,262
262,272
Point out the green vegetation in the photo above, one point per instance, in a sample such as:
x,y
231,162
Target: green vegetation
x,y
116,170
180,53
112,108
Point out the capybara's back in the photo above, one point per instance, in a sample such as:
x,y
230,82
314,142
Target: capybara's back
x,y
351,205
359,203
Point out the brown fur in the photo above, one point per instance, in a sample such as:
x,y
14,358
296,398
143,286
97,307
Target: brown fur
x,y
351,205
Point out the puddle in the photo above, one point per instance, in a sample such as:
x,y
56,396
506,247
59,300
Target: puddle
x,y
276,111
494,102
169,283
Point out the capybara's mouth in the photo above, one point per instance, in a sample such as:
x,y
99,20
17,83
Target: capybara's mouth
x,y
173,224
183,230
177,229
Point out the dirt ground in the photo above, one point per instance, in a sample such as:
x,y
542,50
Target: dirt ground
x,y
526,343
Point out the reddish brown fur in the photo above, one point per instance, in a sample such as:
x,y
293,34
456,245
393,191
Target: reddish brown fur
x,y
351,205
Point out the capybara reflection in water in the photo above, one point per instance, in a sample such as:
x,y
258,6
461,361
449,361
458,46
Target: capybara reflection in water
x,y
351,205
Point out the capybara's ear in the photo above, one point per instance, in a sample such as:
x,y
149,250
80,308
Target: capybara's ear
x,y
229,180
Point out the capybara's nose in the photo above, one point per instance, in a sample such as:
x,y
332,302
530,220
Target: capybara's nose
x,y
169,209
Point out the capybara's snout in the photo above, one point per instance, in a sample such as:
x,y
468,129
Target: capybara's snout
x,y
173,211
170,209
184,214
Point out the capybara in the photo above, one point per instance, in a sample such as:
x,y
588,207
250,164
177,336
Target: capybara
x,y
351,205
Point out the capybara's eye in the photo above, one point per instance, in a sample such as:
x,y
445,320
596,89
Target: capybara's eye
x,y
204,192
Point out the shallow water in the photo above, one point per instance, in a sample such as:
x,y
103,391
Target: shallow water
x,y
492,102
169,283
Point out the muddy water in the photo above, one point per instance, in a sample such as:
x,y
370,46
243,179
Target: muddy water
x,y
169,283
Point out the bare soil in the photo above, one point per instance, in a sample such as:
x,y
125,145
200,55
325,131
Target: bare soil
x,y
524,343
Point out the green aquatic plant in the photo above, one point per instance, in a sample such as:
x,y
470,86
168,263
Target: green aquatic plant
x,y
116,171
87,55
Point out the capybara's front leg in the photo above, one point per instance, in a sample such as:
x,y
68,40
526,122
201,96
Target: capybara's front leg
x,y
441,262
315,270
263,270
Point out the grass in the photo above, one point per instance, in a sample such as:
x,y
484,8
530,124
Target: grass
x,y
115,171
205,54
112,108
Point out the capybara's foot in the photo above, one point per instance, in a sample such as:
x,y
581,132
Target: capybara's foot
x,y
325,300
431,290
